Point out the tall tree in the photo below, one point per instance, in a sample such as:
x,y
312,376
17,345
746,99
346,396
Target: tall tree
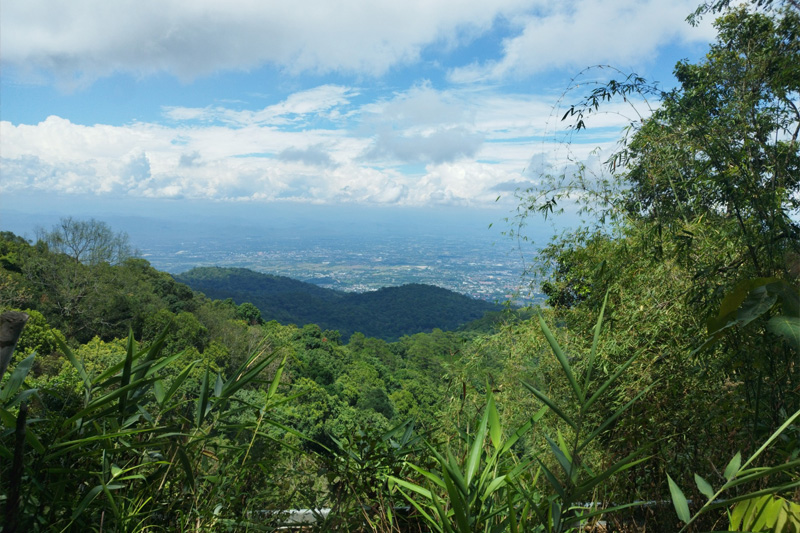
x,y
87,241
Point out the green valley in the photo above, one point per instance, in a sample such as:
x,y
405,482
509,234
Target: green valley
x,y
388,313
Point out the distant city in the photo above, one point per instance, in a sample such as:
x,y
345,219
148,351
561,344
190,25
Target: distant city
x,y
347,248
478,268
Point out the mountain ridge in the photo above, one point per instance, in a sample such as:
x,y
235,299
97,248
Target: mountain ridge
x,y
387,313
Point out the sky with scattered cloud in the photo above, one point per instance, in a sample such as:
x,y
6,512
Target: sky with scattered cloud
x,y
378,102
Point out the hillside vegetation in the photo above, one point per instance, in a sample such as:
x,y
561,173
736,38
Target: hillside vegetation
x,y
388,313
664,368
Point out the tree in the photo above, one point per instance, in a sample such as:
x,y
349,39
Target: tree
x,y
249,313
703,198
724,145
87,241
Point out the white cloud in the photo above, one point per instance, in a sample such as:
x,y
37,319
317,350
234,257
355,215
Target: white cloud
x,y
79,41
573,34
295,109
475,144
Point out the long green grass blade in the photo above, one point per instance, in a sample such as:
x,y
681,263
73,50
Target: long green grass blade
x,y
443,515
565,463
126,374
772,437
512,440
202,401
609,382
476,450
87,383
179,379
550,403
90,496
459,503
593,352
610,420
495,429
553,480
561,359
429,520
16,379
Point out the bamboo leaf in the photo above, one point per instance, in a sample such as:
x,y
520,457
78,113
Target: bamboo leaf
x,y
158,392
610,420
679,501
273,387
565,463
704,487
609,382
549,403
561,359
772,437
90,496
476,450
16,379
523,429
733,466
202,401
593,352
126,373
87,383
553,480
495,430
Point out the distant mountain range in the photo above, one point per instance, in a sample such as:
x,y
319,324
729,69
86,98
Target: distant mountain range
x,y
387,313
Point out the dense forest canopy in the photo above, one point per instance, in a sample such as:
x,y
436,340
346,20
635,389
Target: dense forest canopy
x,y
388,313
665,366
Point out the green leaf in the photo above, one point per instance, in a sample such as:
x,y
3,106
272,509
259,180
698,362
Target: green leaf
x,y
595,341
17,378
202,401
704,487
733,466
158,392
87,383
561,359
495,430
549,403
787,327
90,496
475,452
679,501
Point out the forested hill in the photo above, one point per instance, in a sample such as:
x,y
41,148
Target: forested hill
x,y
388,313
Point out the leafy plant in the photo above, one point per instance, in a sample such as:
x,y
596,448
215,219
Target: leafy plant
x,y
757,507
577,482
142,450
473,493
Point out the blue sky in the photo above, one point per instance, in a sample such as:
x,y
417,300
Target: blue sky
x,y
376,103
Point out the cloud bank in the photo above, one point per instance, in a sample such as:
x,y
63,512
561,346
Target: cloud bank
x,y
77,42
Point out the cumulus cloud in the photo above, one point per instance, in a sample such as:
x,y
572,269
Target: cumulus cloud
x,y
312,156
79,42
83,40
576,33
464,147
438,146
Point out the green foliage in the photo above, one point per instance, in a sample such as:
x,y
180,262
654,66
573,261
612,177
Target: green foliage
x,y
766,513
358,468
388,313
141,451
758,510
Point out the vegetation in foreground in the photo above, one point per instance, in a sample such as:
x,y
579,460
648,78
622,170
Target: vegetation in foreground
x,y
664,368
